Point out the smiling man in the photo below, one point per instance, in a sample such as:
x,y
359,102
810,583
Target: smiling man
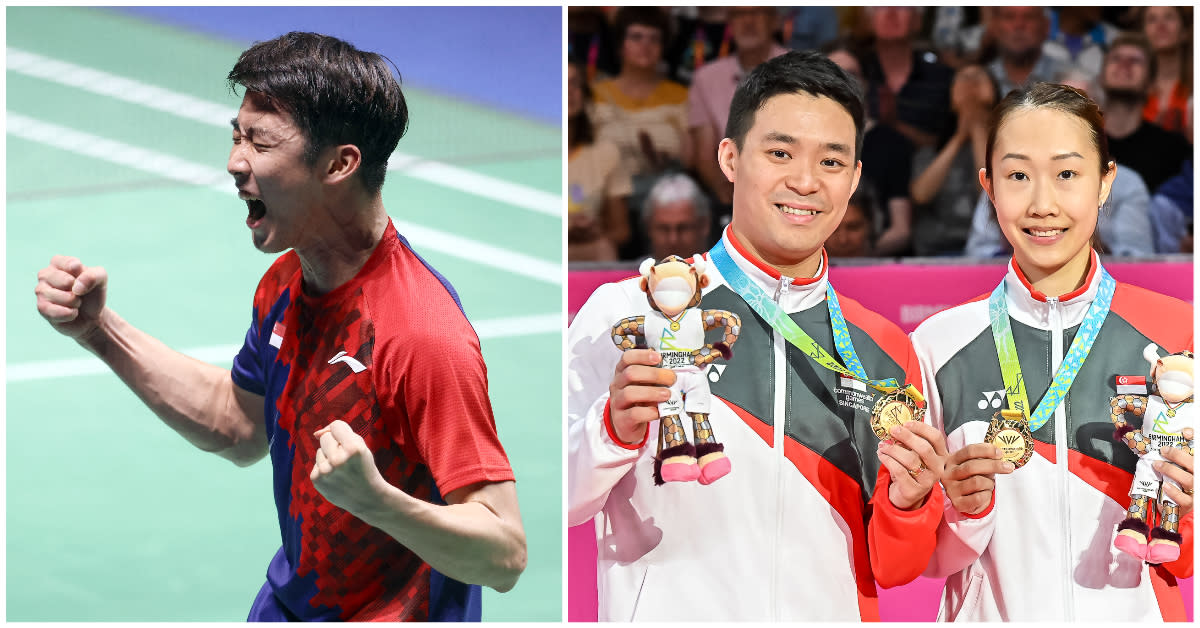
x,y
814,511
360,374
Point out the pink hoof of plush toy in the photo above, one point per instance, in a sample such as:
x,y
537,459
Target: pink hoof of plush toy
x,y
680,472
1131,546
1162,552
715,470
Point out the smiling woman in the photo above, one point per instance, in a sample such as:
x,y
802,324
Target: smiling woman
x,y
1059,331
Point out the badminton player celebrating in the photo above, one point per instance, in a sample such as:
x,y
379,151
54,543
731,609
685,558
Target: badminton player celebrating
x,y
1066,332
360,375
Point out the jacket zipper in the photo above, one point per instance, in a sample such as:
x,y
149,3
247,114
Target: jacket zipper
x,y
1060,452
780,352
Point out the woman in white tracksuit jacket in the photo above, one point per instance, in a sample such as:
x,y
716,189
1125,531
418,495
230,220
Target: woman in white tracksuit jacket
x,y
1036,543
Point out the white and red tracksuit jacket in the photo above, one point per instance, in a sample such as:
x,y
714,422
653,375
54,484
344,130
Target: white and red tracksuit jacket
x,y
797,530
1043,550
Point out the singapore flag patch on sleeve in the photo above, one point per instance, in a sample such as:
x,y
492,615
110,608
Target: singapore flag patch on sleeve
x,y
277,335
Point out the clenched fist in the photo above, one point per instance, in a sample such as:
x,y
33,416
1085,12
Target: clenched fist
x,y
345,471
71,296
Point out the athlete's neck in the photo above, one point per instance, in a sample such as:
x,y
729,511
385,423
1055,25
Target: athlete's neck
x,y
796,265
343,247
1055,282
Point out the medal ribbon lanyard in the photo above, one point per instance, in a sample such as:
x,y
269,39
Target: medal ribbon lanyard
x,y
758,301
1010,366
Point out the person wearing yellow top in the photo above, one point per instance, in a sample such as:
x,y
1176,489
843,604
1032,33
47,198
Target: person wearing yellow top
x,y
640,111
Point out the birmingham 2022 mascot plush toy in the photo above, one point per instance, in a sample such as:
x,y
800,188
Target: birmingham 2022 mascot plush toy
x,y
675,327
1165,412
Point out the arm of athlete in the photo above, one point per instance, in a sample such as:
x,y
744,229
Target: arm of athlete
x,y
908,506
196,399
476,538
969,482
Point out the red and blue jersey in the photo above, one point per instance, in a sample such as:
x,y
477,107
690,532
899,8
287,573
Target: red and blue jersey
x,y
391,353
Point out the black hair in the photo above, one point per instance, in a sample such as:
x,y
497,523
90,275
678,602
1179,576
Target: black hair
x,y
652,17
807,72
580,131
334,92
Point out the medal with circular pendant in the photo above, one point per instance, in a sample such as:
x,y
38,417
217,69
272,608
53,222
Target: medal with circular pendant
x,y
1009,431
891,410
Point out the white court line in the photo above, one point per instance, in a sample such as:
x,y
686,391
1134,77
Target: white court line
x,y
223,354
216,114
163,165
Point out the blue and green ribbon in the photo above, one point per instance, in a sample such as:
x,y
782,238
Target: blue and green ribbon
x,y
1010,366
779,320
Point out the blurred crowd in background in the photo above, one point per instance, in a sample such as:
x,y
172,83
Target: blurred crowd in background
x,y
649,91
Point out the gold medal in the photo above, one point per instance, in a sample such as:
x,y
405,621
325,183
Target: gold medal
x,y
893,409
674,326
1009,431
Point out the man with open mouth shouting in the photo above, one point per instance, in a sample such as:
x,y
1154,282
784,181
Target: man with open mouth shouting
x,y
360,374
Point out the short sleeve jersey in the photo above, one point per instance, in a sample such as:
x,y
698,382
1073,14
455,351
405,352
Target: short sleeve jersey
x,y
391,353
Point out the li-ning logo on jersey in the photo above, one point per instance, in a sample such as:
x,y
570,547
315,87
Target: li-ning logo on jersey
x,y
354,365
992,398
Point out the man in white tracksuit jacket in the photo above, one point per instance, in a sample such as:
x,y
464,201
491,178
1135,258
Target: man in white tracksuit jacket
x,y
815,510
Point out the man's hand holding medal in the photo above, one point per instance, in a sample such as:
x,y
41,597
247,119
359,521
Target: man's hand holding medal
x,y
913,452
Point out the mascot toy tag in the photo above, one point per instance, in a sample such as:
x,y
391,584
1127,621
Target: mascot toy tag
x,y
1165,412
675,328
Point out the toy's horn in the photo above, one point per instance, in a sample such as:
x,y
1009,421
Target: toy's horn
x,y
699,264
644,269
1150,353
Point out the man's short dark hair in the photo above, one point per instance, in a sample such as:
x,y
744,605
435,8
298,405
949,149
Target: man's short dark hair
x,y
335,93
807,72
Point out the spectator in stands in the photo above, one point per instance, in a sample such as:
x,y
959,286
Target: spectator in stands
x,y
960,34
906,88
1078,36
701,35
589,42
753,32
1020,33
908,98
945,185
1123,227
1154,153
1169,103
597,183
1171,212
640,111
677,217
809,27
852,238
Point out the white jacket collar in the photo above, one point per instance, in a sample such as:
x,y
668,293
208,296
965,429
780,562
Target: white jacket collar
x,y
1029,306
794,293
